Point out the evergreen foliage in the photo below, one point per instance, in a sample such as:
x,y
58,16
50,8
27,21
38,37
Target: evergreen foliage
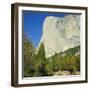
x,y
28,54
36,64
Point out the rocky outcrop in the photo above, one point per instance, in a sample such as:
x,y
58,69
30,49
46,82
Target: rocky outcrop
x,y
60,34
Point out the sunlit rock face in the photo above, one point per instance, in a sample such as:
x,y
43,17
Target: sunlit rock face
x,y
60,34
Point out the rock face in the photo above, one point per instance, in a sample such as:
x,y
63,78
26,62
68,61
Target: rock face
x,y
60,34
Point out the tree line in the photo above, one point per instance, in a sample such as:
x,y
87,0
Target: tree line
x,y
36,64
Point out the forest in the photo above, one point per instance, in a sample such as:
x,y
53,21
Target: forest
x,y
36,64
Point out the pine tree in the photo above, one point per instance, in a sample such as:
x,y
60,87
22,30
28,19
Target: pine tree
x,y
40,62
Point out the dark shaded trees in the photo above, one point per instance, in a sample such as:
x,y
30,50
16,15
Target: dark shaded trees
x,y
28,56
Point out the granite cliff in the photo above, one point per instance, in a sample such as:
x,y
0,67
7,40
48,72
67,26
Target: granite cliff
x,y
60,34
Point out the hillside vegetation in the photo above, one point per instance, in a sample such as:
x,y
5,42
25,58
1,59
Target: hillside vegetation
x,y
64,63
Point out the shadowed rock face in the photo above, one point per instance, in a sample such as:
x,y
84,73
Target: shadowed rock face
x,y
60,34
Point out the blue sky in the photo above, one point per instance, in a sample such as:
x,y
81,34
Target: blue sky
x,y
33,24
